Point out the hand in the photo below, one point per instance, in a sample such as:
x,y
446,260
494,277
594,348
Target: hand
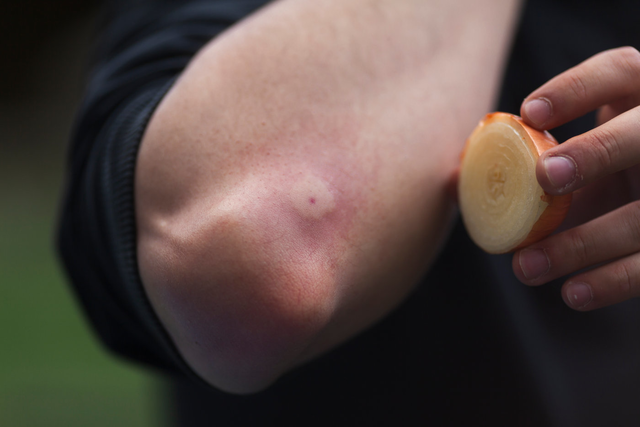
x,y
601,167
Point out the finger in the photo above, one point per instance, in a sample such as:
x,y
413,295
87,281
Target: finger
x,y
607,285
599,198
600,80
609,111
614,235
609,148
605,114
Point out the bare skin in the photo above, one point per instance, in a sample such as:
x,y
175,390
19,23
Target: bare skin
x,y
291,187
602,231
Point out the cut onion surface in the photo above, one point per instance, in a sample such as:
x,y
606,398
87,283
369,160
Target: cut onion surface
x,y
502,205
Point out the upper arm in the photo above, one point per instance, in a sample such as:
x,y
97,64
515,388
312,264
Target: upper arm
x,y
290,189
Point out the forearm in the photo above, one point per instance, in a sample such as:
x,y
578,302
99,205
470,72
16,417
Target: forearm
x,y
290,188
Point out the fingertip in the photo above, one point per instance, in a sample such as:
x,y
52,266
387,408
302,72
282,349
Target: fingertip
x,y
556,173
578,295
519,270
543,178
537,112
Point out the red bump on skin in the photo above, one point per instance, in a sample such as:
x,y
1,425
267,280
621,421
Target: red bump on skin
x,y
320,200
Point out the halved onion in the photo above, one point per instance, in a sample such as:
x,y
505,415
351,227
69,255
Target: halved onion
x,y
502,205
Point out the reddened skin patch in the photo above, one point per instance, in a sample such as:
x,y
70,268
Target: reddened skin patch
x,y
311,197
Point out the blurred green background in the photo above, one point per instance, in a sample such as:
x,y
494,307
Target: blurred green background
x,y
53,371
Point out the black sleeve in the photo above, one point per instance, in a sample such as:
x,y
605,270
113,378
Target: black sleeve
x,y
143,47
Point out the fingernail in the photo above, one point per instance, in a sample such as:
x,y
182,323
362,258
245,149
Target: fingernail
x,y
579,295
561,170
538,111
534,263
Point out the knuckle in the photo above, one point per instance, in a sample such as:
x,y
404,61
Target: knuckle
x,y
577,85
605,146
628,59
623,279
633,220
580,247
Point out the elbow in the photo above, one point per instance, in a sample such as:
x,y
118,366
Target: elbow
x,y
242,300
244,345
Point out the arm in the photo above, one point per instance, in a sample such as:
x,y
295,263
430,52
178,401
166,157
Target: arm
x,y
290,189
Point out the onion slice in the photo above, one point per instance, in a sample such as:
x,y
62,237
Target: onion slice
x,y
502,205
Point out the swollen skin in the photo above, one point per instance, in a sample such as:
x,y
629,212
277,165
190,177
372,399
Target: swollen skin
x,y
502,205
311,198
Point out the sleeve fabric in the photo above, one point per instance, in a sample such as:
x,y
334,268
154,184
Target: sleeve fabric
x,y
143,47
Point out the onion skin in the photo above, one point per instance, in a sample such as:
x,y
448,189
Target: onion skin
x,y
558,206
